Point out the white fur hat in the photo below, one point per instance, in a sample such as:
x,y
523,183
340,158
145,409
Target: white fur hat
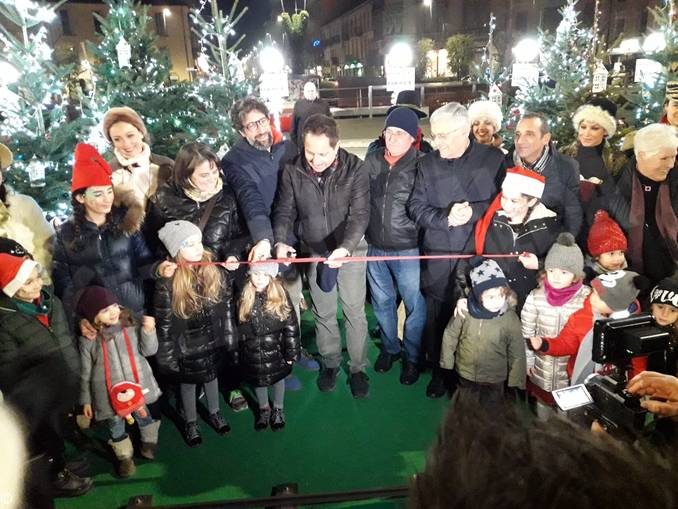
x,y
596,114
486,109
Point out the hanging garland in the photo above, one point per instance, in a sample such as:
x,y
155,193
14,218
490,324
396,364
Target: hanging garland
x,y
296,23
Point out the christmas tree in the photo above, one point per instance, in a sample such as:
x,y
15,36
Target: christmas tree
x,y
34,108
564,75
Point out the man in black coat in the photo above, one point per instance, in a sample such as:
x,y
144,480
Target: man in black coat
x,y
327,192
535,151
453,188
309,104
645,203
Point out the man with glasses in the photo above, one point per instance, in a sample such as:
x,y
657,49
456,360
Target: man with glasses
x,y
453,188
391,232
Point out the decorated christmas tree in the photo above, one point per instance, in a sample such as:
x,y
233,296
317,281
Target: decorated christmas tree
x,y
34,107
564,75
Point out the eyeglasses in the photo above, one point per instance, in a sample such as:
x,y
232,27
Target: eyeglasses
x,y
251,126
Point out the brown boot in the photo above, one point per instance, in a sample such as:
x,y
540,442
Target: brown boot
x,y
149,440
124,451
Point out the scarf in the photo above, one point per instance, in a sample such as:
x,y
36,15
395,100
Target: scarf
x,y
392,160
136,173
39,308
666,219
539,165
202,196
560,296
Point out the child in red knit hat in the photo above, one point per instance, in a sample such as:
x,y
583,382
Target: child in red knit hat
x,y
607,245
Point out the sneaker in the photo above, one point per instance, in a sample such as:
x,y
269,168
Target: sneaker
x,y
277,419
68,484
220,425
436,388
292,383
126,468
262,420
307,362
237,401
192,434
327,381
385,361
359,386
409,374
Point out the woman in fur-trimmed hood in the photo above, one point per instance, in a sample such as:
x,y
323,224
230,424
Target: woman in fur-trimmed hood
x,y
101,243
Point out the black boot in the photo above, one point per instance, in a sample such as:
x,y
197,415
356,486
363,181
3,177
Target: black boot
x,y
437,387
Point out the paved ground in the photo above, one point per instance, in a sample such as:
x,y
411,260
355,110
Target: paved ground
x,y
357,133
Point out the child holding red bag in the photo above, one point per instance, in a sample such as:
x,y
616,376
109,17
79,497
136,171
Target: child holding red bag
x,y
118,356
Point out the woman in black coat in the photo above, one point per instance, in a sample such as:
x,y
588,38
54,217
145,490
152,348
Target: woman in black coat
x,y
101,244
197,194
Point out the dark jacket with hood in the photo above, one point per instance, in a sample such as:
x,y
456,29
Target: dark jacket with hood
x,y
391,227
330,216
114,256
190,350
303,109
253,174
267,344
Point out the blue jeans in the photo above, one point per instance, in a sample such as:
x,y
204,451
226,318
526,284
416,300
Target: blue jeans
x,y
387,280
116,425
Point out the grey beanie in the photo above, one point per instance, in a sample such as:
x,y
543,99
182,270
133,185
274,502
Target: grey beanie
x,y
485,274
270,268
620,288
174,233
565,255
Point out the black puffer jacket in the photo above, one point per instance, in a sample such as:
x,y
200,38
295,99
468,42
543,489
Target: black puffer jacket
x,y
190,350
224,235
330,217
116,259
391,228
267,344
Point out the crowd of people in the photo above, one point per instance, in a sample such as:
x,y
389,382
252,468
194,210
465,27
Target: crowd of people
x,y
179,276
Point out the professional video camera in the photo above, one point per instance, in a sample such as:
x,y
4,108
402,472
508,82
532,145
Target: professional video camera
x,y
604,397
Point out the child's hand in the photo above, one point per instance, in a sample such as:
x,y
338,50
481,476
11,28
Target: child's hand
x,y
87,411
231,263
167,269
536,342
148,323
529,261
87,330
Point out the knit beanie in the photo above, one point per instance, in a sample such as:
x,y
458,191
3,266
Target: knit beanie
x,y
620,288
605,235
672,90
405,119
666,292
486,109
269,268
520,180
123,114
6,157
89,168
12,247
600,111
565,255
92,300
14,272
485,274
175,233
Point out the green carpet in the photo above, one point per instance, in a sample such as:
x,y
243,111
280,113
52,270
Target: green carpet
x,y
331,443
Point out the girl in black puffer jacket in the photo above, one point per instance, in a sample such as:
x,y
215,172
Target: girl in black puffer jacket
x,y
269,340
194,324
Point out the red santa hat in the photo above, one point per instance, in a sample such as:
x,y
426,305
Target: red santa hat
x,y
605,235
89,168
14,272
520,180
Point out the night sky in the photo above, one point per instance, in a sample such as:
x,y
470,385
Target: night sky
x,y
252,23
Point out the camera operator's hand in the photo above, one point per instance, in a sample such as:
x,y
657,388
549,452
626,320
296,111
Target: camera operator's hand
x,y
663,389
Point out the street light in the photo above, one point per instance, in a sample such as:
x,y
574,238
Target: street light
x,y
271,59
429,4
166,12
654,42
527,50
400,55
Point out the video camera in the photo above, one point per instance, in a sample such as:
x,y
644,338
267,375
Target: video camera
x,y
604,397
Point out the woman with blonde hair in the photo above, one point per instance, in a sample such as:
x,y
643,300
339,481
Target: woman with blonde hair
x,y
194,324
269,340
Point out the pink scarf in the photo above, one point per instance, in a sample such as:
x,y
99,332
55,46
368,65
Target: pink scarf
x,y
560,296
